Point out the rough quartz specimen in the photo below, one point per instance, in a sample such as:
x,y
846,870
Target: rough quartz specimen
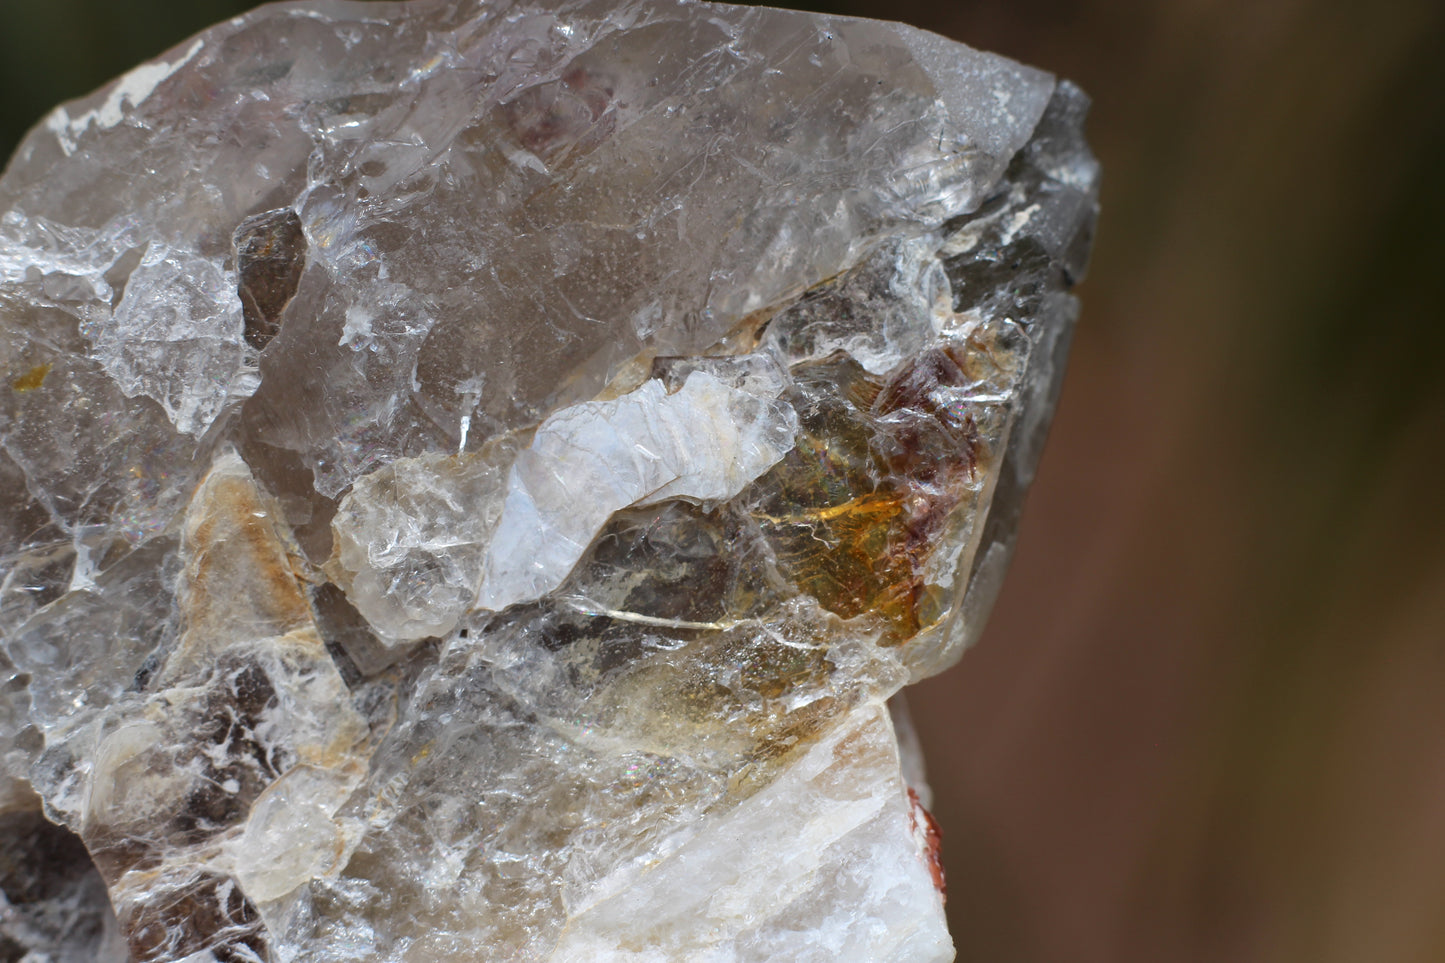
x,y
474,476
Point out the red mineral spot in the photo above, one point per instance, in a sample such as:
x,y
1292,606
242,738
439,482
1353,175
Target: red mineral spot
x,y
930,838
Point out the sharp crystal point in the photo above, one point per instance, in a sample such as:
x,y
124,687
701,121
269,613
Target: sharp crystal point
x,y
474,478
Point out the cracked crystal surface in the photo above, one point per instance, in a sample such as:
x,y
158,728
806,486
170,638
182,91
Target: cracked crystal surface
x,y
475,477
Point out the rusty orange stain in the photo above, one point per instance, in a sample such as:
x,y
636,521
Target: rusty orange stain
x,y
32,379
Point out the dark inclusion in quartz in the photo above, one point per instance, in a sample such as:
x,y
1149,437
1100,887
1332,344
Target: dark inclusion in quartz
x,y
270,256
490,512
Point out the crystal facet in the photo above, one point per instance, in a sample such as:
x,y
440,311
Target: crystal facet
x,y
475,477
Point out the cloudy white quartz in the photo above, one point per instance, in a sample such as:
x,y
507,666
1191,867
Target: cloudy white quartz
x,y
704,442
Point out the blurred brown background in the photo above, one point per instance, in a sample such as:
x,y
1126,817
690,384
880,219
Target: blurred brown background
x,y
1206,720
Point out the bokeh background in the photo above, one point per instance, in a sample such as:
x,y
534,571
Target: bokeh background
x,y
1207,719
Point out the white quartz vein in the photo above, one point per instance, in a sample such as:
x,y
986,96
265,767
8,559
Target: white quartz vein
x,y
131,90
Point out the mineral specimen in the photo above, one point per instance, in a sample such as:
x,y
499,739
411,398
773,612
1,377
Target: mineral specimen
x,y
473,476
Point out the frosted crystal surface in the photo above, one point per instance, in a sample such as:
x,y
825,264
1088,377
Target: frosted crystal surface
x,y
474,478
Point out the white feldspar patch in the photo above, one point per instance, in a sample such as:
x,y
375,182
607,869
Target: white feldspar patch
x,y
822,866
705,442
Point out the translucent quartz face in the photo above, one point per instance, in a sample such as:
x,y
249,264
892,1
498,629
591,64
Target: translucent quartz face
x,y
473,477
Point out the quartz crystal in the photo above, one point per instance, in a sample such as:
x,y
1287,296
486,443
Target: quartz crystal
x,y
474,477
